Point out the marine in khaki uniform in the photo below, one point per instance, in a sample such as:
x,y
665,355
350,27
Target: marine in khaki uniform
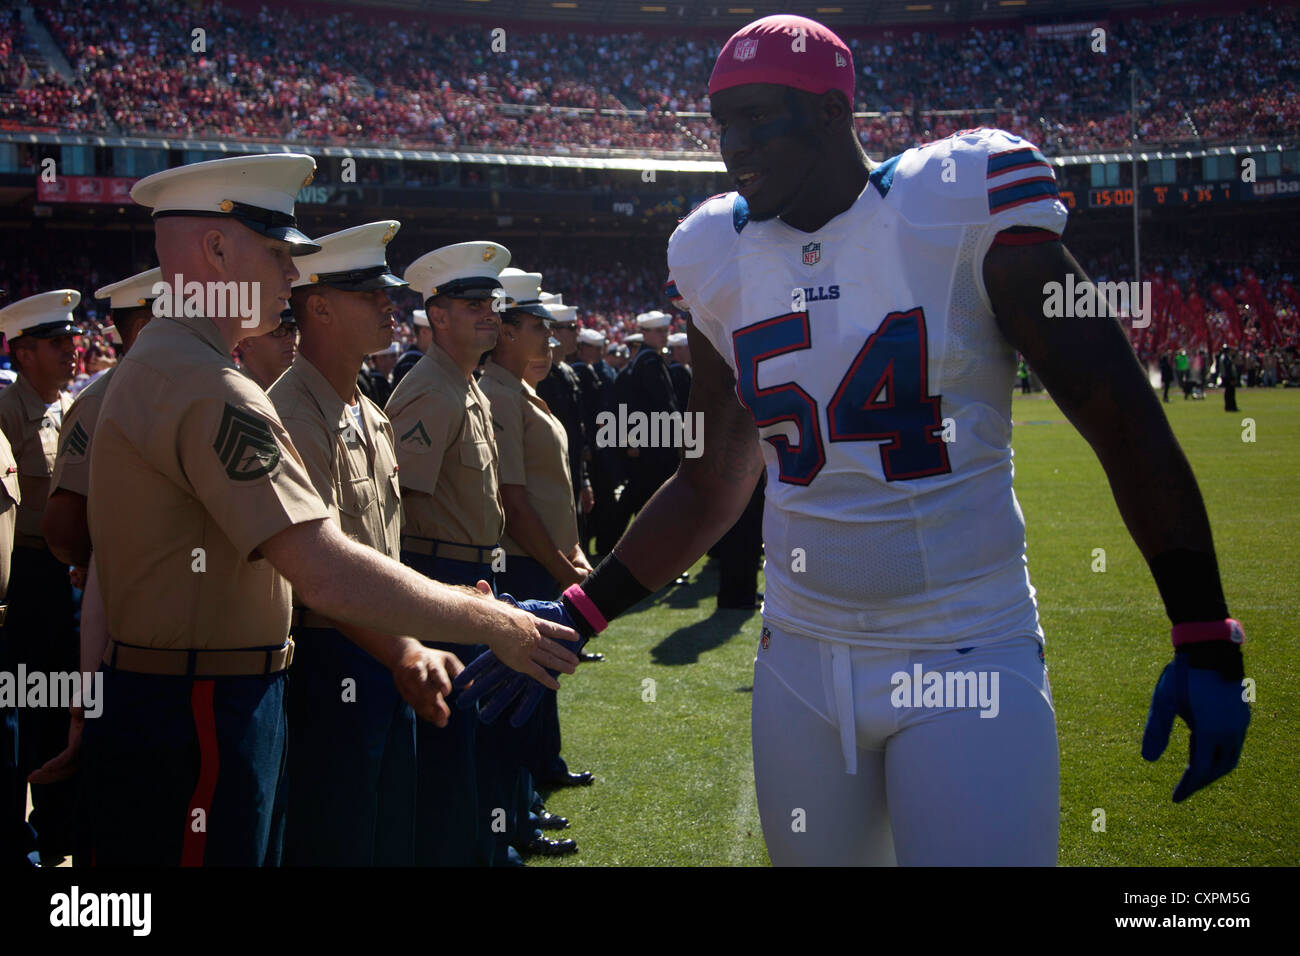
x,y
64,523
452,516
40,633
264,358
204,517
352,796
15,836
541,538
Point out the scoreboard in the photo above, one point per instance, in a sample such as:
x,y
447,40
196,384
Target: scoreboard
x,y
1171,195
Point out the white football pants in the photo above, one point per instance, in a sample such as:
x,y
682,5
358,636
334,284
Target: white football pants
x,y
879,757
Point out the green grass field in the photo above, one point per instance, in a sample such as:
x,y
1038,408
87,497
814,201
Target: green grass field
x,y
674,775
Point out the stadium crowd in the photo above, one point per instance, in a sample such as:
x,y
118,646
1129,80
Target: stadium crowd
x,y
280,75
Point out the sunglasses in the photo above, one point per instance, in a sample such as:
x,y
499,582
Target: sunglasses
x,y
283,329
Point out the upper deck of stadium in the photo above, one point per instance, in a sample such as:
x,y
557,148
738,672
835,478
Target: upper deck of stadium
x,y
617,78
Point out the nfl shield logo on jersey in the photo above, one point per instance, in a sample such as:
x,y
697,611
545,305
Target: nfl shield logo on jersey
x,y
746,49
812,253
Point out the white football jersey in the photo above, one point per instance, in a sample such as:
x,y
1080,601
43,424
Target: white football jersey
x,y
868,354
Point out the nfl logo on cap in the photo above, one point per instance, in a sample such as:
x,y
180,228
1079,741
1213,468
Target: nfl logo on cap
x,y
746,49
812,253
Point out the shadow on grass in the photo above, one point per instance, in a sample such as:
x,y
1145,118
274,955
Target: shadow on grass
x,y
686,645
702,588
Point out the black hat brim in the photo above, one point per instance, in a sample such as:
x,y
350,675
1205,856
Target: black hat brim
x,y
52,330
385,281
536,310
300,244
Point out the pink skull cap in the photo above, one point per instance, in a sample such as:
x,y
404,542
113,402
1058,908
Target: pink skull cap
x,y
787,50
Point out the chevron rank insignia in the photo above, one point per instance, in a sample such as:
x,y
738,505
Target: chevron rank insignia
x,y
246,445
416,439
75,445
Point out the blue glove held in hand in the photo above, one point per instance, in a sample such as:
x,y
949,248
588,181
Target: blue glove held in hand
x,y
496,686
1202,685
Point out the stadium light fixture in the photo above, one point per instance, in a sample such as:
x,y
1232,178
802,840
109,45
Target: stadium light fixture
x,y
740,9
918,7
654,9
830,9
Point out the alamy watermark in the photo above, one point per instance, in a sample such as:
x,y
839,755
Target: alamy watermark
x,y
626,429
59,689
1087,300
214,300
949,690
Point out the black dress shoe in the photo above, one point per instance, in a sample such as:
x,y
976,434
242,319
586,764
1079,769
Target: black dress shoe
x,y
570,779
588,657
543,846
544,819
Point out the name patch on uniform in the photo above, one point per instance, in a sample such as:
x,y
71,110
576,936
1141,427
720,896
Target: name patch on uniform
x,y
75,446
416,439
245,445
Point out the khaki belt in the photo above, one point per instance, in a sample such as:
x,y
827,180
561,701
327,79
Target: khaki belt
x,y
447,549
306,617
198,663
4,609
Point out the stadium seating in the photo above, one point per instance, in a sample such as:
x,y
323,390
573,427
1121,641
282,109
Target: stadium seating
x,y
345,77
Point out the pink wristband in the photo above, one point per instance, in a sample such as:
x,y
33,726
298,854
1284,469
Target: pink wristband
x,y
1196,632
584,604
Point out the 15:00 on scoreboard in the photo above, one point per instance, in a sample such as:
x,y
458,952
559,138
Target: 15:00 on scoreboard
x,y
1172,195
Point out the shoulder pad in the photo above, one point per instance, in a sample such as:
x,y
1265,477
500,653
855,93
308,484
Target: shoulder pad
x,y
968,177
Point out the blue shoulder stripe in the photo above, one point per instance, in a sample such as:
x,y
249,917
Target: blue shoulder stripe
x,y
1015,159
739,213
882,177
1022,192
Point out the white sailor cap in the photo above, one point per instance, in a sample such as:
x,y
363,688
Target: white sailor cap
x,y
466,270
41,316
352,260
676,339
259,191
653,319
562,314
524,292
591,337
133,292
551,298
420,319
113,334
635,338
391,348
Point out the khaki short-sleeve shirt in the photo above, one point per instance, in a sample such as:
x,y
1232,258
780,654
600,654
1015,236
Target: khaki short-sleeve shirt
x,y
33,435
446,453
10,495
72,465
534,452
191,470
354,469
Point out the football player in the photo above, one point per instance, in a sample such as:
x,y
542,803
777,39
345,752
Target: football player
x,y
854,330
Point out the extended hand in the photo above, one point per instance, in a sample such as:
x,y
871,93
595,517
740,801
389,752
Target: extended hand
x,y
495,687
1202,685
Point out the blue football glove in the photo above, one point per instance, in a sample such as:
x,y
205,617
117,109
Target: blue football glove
x,y
1202,685
496,686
